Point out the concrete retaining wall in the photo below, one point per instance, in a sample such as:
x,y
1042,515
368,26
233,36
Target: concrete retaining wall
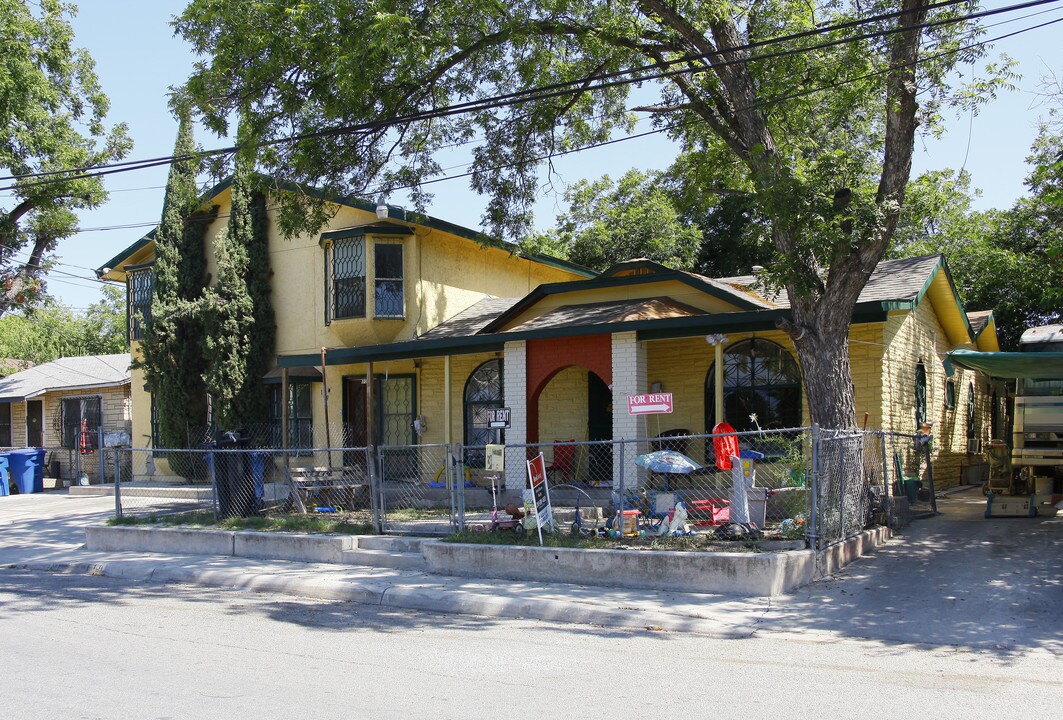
x,y
161,540
262,545
733,573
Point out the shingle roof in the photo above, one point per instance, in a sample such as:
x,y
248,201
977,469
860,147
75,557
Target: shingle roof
x,y
610,312
978,319
71,373
892,280
471,320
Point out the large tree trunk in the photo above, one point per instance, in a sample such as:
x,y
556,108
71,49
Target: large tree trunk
x,y
824,358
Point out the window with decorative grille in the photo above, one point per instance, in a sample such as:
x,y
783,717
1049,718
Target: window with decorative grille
x,y
139,286
388,298
348,278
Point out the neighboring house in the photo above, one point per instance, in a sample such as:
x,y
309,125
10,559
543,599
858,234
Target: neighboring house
x,y
51,404
448,328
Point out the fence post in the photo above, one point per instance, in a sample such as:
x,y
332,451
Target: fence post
x,y
118,483
814,488
376,490
460,453
619,519
99,450
886,492
844,488
454,480
212,471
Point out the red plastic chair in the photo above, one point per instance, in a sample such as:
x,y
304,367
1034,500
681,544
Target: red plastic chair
x,y
564,460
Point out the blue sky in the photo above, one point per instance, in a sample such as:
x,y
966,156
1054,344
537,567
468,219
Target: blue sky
x,y
138,59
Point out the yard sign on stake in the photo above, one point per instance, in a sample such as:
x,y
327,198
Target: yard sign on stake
x,y
541,493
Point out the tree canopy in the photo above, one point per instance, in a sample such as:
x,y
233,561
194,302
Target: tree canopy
x,y
51,330
608,223
52,111
816,129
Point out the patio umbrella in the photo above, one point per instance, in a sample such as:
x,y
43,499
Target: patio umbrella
x,y
667,461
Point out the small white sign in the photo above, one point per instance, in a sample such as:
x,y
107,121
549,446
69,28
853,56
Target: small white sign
x,y
649,404
496,458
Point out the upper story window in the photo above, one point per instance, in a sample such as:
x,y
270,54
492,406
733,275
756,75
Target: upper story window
x,y
348,278
139,286
388,297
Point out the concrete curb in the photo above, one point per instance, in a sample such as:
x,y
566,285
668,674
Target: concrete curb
x,y
409,598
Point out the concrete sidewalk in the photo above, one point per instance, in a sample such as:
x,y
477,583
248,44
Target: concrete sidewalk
x,y
940,584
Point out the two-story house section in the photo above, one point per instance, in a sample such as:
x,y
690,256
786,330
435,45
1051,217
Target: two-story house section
x,y
370,277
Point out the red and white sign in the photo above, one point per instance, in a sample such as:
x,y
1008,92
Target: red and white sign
x,y
649,404
541,491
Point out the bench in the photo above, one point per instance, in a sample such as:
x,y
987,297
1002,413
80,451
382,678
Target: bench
x,y
340,487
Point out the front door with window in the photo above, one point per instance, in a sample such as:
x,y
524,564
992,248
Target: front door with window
x,y
393,413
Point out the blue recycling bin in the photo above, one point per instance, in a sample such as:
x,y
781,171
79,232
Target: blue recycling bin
x,y
38,470
3,474
258,472
27,470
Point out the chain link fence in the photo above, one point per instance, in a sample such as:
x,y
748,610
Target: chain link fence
x,y
799,483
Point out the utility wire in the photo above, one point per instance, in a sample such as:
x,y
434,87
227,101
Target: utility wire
x,y
552,91
561,153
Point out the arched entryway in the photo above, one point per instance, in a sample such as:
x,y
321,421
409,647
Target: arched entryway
x,y
574,403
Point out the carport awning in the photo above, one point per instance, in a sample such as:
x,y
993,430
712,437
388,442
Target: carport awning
x,y
1033,365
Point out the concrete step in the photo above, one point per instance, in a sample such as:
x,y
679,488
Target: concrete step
x,y
384,559
390,543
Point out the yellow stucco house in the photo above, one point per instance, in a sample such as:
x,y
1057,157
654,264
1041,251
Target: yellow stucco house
x,y
449,325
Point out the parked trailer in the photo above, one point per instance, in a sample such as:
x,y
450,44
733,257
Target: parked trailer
x,y
1037,436
1037,440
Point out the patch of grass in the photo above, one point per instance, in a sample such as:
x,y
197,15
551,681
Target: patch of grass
x,y
332,524
408,514
689,543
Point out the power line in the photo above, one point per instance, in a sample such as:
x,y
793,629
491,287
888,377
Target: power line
x,y
555,90
763,103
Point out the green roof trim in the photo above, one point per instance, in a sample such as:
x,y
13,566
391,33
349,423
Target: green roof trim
x,y
131,250
943,266
382,228
657,329
602,282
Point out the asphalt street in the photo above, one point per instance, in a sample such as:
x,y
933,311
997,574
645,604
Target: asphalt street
x,y
80,646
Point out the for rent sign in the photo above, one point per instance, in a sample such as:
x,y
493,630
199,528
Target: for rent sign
x,y
649,403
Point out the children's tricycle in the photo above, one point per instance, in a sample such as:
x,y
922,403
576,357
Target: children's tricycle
x,y
513,519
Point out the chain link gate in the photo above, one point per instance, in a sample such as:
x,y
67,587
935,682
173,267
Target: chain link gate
x,y
416,489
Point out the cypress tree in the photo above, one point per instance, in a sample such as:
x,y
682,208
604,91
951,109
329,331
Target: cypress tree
x,y
241,327
172,357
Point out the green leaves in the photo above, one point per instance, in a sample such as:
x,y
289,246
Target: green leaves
x,y
52,111
608,223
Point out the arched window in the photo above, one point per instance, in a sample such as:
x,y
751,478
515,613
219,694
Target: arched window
x,y
759,377
970,412
920,394
483,390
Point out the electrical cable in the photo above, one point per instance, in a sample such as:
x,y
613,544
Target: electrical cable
x,y
537,94
561,153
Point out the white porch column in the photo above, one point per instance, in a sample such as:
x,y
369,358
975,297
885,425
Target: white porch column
x,y
629,378
516,398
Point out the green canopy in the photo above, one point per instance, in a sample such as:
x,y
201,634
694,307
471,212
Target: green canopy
x,y
1033,365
